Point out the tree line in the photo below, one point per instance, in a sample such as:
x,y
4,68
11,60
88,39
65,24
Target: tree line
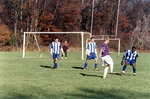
x,y
17,16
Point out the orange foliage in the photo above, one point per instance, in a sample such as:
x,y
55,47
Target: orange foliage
x,y
5,33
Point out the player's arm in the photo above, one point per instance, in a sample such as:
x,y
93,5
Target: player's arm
x,y
62,50
96,52
67,46
87,50
136,57
123,59
101,51
111,52
51,49
100,54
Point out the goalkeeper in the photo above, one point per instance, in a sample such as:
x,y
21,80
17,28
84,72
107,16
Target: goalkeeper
x,y
65,47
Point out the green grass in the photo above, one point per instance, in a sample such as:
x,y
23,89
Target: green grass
x,y
30,79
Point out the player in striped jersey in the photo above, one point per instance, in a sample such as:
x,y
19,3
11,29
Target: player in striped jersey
x,y
129,58
91,53
55,51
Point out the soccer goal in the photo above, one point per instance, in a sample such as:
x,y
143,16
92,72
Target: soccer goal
x,y
35,34
99,39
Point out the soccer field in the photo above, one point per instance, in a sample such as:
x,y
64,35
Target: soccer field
x,y
32,78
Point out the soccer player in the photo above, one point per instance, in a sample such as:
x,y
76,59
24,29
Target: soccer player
x,y
129,58
65,47
105,56
91,52
55,51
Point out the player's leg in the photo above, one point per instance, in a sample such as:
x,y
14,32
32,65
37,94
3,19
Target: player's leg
x,y
111,67
110,63
86,63
65,54
125,67
96,64
134,69
55,63
105,71
106,66
62,56
55,58
102,62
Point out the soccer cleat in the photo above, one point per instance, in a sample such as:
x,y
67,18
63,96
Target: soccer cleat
x,y
96,69
54,67
104,77
122,73
134,74
85,69
66,58
103,64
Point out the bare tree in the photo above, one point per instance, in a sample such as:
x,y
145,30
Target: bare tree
x,y
141,34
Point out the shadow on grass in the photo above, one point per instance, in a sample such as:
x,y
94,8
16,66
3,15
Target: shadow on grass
x,y
115,73
90,75
32,92
44,66
28,92
87,93
77,67
18,96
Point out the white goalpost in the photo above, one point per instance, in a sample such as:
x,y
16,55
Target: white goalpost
x,y
35,33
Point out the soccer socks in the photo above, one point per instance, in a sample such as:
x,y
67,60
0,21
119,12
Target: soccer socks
x,y
124,68
134,70
55,65
105,72
85,65
111,68
95,65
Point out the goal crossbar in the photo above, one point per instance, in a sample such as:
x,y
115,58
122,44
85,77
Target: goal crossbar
x,y
82,39
57,33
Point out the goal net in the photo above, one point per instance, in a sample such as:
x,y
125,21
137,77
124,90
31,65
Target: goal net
x,y
34,39
114,44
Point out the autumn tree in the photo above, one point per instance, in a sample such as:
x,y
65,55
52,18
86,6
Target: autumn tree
x,y
72,15
104,17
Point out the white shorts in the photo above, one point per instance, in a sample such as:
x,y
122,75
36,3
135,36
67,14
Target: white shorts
x,y
107,60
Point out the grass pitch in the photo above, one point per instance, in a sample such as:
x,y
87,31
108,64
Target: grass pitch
x,y
33,78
